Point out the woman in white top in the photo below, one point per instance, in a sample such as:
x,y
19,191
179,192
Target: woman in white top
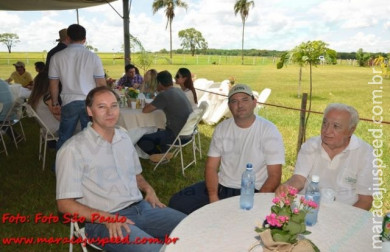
x,y
40,101
184,79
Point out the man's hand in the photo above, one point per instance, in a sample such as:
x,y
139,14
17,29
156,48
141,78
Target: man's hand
x,y
115,228
283,188
213,198
57,110
153,200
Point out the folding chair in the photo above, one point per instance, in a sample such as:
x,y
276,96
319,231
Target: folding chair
x,y
75,231
188,131
203,107
3,142
13,118
45,135
262,99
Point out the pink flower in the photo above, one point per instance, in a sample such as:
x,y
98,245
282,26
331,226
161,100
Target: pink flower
x,y
287,202
283,219
283,194
276,200
296,210
312,204
273,220
302,199
292,191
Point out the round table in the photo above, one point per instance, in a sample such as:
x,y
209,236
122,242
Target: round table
x,y
223,226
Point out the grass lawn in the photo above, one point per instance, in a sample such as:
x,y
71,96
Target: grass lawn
x,y
29,191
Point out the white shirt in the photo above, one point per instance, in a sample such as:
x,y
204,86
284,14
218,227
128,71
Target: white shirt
x,y
349,173
77,68
97,173
261,144
190,97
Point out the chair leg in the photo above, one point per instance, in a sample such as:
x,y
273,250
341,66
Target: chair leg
x,y
4,145
71,236
199,146
44,155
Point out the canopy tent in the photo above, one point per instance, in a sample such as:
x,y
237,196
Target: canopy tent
x,y
36,5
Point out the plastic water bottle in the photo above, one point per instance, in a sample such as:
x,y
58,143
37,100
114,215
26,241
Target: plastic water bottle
x,y
313,193
247,188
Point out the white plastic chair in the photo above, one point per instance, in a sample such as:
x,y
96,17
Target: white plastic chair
x,y
200,85
45,135
188,130
262,99
13,118
203,107
75,231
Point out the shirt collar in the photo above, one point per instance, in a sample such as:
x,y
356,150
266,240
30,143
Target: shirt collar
x,y
99,140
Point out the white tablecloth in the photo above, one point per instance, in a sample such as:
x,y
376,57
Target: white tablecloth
x,y
134,118
223,226
19,92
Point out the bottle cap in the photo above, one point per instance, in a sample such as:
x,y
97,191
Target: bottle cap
x,y
315,178
249,166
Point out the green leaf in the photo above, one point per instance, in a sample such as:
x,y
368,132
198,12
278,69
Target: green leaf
x,y
275,209
280,236
293,228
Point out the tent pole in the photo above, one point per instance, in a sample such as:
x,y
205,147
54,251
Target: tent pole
x,y
126,31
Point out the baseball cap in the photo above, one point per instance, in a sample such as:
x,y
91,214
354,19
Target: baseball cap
x,y
63,33
240,88
19,64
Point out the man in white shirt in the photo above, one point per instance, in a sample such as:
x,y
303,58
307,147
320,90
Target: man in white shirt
x,y
343,162
99,179
245,138
79,71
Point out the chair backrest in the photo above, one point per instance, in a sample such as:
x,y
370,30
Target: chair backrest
x,y
191,123
203,106
31,112
264,95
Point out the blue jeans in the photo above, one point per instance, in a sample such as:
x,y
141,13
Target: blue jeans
x,y
71,114
196,196
149,143
149,223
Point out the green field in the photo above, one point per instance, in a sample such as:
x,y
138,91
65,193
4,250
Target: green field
x,y
28,190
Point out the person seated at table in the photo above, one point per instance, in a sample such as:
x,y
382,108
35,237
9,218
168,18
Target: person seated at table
x,y
40,66
130,78
99,178
184,79
40,101
176,107
245,138
21,76
343,162
149,87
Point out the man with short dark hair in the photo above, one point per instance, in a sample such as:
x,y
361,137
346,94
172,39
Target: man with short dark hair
x,y
79,71
131,78
99,178
245,138
176,107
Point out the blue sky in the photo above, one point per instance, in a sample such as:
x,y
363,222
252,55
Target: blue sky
x,y
346,25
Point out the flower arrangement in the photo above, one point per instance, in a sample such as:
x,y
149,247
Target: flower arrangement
x,y
287,219
132,93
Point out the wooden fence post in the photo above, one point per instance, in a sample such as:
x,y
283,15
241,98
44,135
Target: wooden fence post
x,y
302,116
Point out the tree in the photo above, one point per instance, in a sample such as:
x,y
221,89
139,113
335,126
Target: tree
x,y
9,39
362,57
307,53
242,7
169,6
192,39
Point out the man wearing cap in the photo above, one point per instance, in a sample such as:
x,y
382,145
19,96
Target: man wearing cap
x,y
245,138
79,71
21,76
62,44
